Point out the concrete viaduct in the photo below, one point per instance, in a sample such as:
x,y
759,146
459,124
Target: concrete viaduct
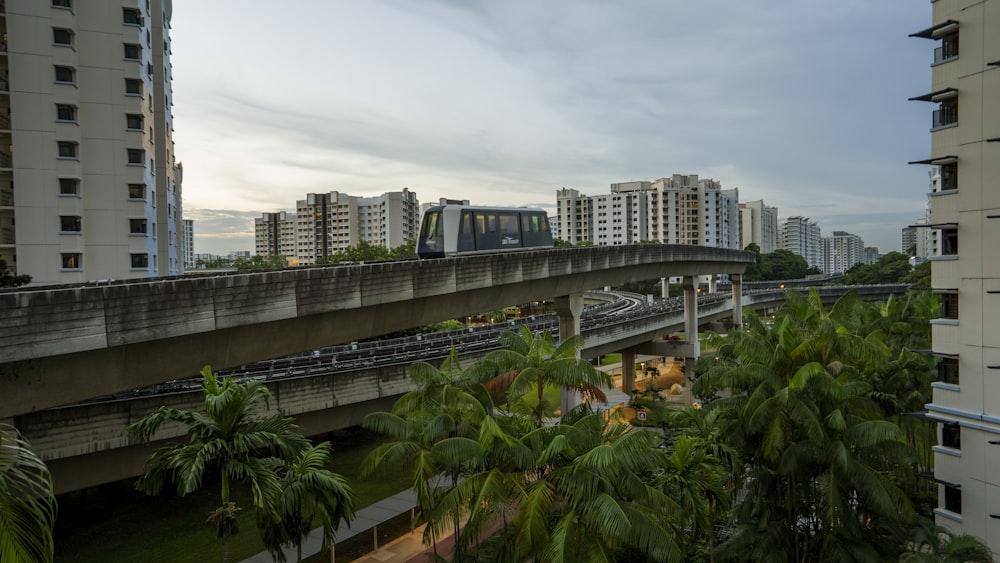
x,y
67,344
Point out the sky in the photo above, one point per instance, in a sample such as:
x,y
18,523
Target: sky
x,y
801,103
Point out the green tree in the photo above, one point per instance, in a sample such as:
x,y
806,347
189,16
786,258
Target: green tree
x,y
784,265
228,435
935,544
309,493
530,362
894,267
820,483
10,279
920,277
27,501
261,262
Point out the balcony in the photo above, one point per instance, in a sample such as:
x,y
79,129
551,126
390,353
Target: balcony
x,y
6,197
7,236
6,160
947,116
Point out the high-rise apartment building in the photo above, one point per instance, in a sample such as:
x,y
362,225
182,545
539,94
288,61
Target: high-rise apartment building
x,y
188,246
842,251
327,223
759,225
89,185
965,269
801,235
573,211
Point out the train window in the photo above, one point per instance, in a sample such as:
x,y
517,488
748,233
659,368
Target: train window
x,y
529,223
481,223
466,227
508,224
491,222
432,225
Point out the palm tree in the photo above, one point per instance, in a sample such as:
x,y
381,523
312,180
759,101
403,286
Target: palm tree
x,y
27,501
532,361
229,436
694,479
935,544
820,460
308,493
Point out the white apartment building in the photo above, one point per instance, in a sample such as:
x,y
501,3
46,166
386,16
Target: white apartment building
x,y
965,269
801,235
842,251
327,223
89,184
573,211
188,245
759,225
684,209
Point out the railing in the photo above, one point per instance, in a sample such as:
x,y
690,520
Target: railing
x,y
7,198
4,121
6,160
947,115
7,236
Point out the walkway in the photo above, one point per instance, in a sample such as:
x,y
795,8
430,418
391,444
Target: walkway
x,y
365,519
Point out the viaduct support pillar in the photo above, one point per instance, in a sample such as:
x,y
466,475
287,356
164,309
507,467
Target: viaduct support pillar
x,y
569,307
690,284
664,288
713,283
628,372
737,280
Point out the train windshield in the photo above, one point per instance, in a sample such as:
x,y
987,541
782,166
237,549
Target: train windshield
x,y
431,242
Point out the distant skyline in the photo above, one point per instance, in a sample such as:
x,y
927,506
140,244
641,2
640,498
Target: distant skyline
x,y
800,103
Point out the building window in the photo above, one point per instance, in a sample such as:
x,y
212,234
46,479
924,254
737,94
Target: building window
x,y
62,3
948,49
72,261
133,87
137,191
949,306
149,69
948,370
132,52
140,260
65,112
949,242
136,156
62,37
946,114
137,226
131,16
70,224
67,149
949,176
65,74
953,499
69,186
133,121
951,436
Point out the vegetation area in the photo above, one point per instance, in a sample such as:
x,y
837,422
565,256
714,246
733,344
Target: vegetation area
x,y
363,251
10,279
800,452
778,265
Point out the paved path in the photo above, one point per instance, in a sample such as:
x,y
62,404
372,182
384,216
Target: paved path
x,y
365,519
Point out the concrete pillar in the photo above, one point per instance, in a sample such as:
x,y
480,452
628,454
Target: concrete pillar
x,y
737,280
569,307
628,372
713,281
690,284
664,288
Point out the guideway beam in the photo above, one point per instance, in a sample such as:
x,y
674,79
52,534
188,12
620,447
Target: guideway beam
x,y
569,308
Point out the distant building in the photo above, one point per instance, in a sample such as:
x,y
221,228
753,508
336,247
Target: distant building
x,y
801,235
871,255
327,223
908,240
188,246
681,209
842,251
759,225
89,183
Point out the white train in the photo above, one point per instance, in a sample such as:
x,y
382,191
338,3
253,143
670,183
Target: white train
x,y
450,230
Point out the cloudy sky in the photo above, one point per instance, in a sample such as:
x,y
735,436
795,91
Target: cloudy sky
x,y
800,102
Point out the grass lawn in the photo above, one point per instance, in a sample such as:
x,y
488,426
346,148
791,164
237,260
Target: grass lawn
x,y
116,523
607,359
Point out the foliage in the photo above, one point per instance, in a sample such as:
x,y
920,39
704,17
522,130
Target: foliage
x,y
920,277
365,251
10,279
894,267
778,265
261,262
27,501
230,436
935,544
309,493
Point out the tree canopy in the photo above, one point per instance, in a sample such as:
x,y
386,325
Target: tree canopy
x,y
778,265
10,279
893,267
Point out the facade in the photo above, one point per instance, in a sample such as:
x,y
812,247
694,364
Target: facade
x,y
801,235
188,246
842,251
965,265
330,222
574,216
759,225
89,184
